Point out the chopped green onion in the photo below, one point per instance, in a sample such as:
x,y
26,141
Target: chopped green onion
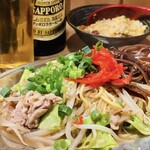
x,y
61,144
43,71
61,59
64,110
48,88
56,74
95,115
41,89
31,86
85,62
74,74
24,91
38,79
77,55
79,73
58,85
86,50
76,61
63,89
32,79
47,79
5,91
56,92
92,68
30,68
105,120
87,120
49,64
99,45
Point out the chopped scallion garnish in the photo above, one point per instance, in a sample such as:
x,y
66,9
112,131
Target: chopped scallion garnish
x,y
86,50
61,144
99,45
5,91
87,120
24,91
64,110
96,115
31,86
30,68
105,120
41,89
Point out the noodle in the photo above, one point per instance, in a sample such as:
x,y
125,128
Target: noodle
x,y
87,103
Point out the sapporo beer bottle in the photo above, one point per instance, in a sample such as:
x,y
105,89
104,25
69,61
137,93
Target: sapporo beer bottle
x,y
49,27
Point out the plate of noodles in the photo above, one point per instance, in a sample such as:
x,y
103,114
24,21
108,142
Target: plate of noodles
x,y
93,98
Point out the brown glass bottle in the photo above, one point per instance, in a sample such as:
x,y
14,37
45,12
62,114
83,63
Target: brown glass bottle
x,y
49,27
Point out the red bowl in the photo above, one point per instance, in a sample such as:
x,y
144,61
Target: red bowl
x,y
111,11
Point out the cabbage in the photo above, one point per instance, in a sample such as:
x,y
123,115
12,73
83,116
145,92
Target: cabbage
x,y
23,81
139,125
51,120
102,141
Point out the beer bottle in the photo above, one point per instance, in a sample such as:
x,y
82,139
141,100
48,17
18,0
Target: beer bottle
x,y
49,27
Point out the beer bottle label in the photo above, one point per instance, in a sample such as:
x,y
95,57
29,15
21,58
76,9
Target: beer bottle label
x,y
48,19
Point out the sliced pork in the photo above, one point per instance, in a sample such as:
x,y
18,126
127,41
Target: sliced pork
x,y
33,105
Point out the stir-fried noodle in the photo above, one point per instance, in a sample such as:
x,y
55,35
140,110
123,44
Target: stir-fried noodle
x,y
125,113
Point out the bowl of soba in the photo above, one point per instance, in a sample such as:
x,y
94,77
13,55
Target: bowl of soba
x,y
76,101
